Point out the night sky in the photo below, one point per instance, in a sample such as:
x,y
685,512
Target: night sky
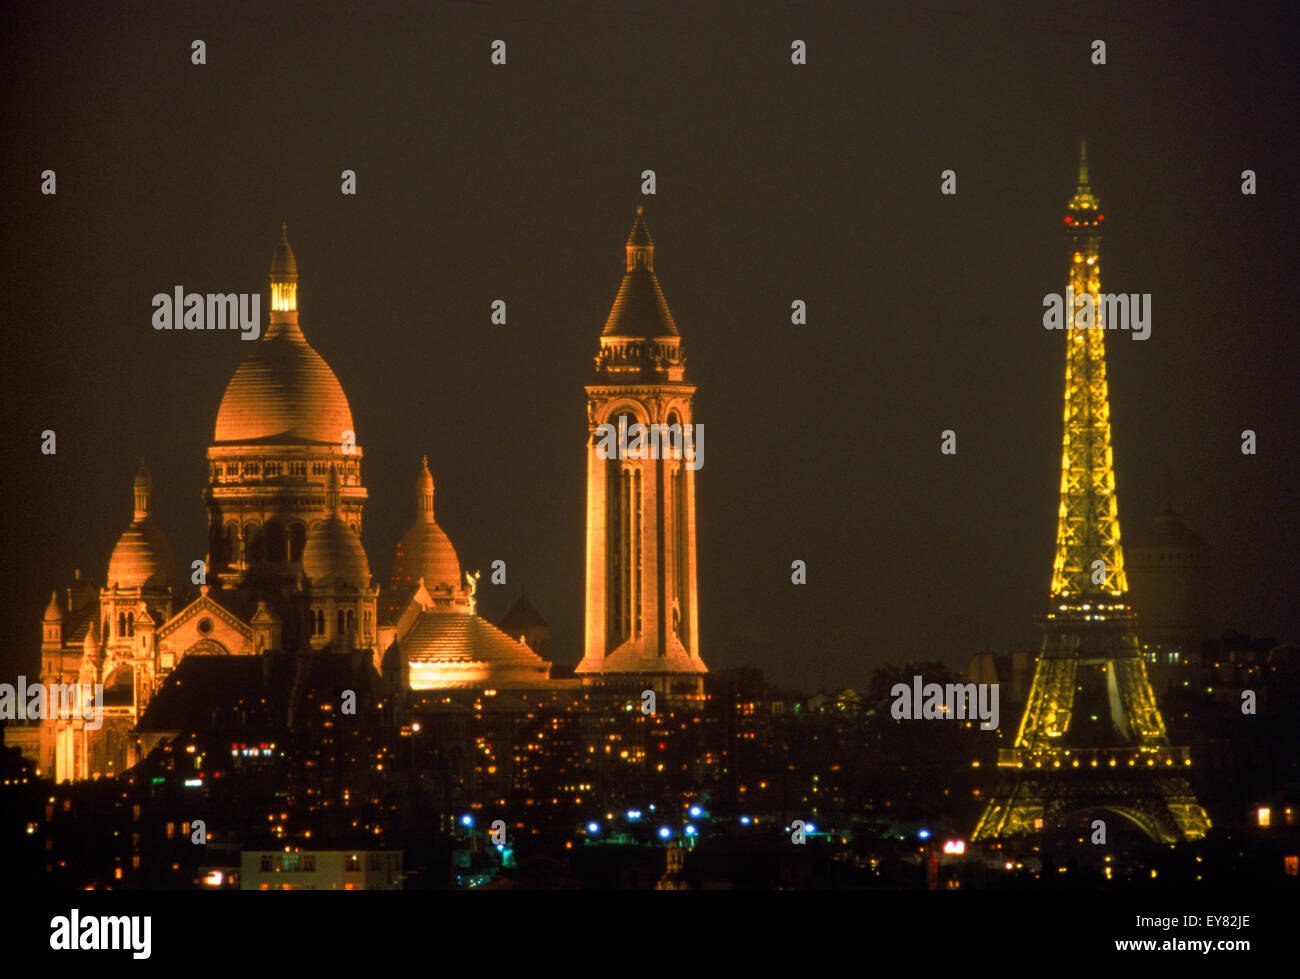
x,y
775,182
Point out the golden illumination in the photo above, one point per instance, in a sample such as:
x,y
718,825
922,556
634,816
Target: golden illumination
x,y
284,297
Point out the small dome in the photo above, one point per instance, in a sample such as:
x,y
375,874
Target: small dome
x,y
90,647
425,551
333,552
142,557
53,613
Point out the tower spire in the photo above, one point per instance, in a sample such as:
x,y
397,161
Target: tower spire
x,y
141,492
424,491
1083,198
284,280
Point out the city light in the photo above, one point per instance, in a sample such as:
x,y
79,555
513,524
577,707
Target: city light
x,y
954,846
593,827
695,811
745,820
664,832
633,815
467,820
923,834
690,830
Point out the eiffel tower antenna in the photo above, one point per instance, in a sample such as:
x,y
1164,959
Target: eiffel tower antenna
x,y
1091,736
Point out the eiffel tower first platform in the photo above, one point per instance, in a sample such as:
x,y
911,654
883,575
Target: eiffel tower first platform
x,y
1091,737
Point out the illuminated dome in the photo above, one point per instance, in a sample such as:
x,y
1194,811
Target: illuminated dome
x,y
425,551
142,557
333,551
52,612
283,392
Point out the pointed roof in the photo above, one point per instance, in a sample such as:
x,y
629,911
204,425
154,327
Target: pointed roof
x,y
54,612
1083,196
640,309
521,617
283,264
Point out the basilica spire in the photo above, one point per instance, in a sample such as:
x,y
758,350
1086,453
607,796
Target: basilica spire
x,y
284,286
141,491
424,491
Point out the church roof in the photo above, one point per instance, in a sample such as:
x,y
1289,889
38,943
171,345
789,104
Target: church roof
x,y
521,617
640,309
448,649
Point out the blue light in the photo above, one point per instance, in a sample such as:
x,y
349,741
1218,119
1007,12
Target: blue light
x,y
690,830
924,834
593,827
695,811
467,820
652,807
810,828
664,832
745,820
634,814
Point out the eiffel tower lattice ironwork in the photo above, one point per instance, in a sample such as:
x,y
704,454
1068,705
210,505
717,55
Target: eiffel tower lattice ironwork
x,y
1091,737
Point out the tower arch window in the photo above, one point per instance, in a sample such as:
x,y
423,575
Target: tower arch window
x,y
121,624
340,622
130,623
232,543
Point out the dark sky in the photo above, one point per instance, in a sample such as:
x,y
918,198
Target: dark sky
x,y
775,182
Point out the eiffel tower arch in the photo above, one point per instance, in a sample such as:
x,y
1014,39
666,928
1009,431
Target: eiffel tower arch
x,y
1091,736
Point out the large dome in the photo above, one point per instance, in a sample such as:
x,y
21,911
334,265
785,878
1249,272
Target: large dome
x,y
283,392
142,557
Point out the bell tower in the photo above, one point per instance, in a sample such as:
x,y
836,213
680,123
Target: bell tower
x,y
643,451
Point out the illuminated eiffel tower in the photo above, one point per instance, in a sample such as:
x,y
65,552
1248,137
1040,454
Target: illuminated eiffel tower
x,y
1091,737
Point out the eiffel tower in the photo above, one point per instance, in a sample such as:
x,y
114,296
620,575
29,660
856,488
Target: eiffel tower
x,y
1091,737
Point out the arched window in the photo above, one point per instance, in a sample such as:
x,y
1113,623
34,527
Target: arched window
x,y
231,553
320,622
130,623
121,624
350,620
340,629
